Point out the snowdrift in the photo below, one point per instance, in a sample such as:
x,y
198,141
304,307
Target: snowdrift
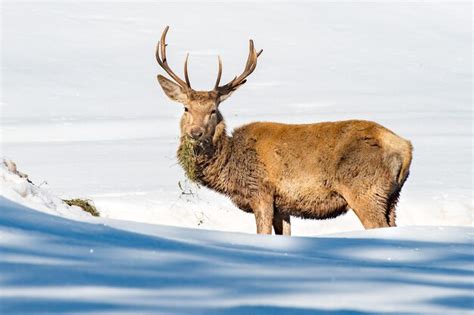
x,y
51,264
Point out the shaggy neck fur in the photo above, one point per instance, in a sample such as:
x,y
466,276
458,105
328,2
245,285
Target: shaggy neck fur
x,y
209,160
229,165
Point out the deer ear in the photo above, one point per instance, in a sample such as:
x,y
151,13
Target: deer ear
x,y
223,97
174,91
225,93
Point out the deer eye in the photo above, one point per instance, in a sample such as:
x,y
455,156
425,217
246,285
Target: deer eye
x,y
213,112
186,109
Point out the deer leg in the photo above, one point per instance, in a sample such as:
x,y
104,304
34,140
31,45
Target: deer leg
x,y
371,217
391,205
281,223
392,216
371,212
370,205
264,217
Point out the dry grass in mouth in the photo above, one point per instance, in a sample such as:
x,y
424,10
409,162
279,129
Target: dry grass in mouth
x,y
187,158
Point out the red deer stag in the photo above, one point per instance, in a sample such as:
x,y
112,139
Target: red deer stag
x,y
313,171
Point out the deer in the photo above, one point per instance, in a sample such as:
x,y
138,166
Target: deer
x,y
276,170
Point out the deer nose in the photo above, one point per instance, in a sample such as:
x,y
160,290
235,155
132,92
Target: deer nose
x,y
196,132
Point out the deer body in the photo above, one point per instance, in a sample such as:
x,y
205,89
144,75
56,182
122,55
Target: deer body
x,y
313,171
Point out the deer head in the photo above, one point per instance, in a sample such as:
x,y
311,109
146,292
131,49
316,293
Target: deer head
x,y
201,117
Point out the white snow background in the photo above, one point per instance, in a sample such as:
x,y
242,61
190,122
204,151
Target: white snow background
x,y
82,111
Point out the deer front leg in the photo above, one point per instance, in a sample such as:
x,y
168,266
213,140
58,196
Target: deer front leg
x,y
263,217
281,223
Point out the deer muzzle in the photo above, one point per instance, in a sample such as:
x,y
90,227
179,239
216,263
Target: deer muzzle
x,y
196,132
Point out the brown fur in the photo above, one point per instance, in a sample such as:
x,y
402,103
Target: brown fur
x,y
313,171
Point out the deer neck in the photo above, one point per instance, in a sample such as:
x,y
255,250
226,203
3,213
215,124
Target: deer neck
x,y
210,158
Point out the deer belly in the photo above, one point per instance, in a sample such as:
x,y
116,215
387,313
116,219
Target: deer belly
x,y
311,202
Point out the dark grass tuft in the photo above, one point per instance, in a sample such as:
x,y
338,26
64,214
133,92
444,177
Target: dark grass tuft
x,y
86,205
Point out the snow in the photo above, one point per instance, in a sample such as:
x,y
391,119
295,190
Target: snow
x,y
83,115
18,189
55,265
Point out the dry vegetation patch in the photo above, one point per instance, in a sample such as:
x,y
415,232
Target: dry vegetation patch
x,y
86,205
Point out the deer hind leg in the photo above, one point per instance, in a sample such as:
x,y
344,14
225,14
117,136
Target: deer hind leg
x,y
392,216
281,223
371,209
371,215
391,207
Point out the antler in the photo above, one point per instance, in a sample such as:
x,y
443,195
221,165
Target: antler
x,y
163,62
224,89
241,79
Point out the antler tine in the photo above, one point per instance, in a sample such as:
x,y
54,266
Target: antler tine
x,y
186,76
163,62
250,66
163,43
219,73
251,53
